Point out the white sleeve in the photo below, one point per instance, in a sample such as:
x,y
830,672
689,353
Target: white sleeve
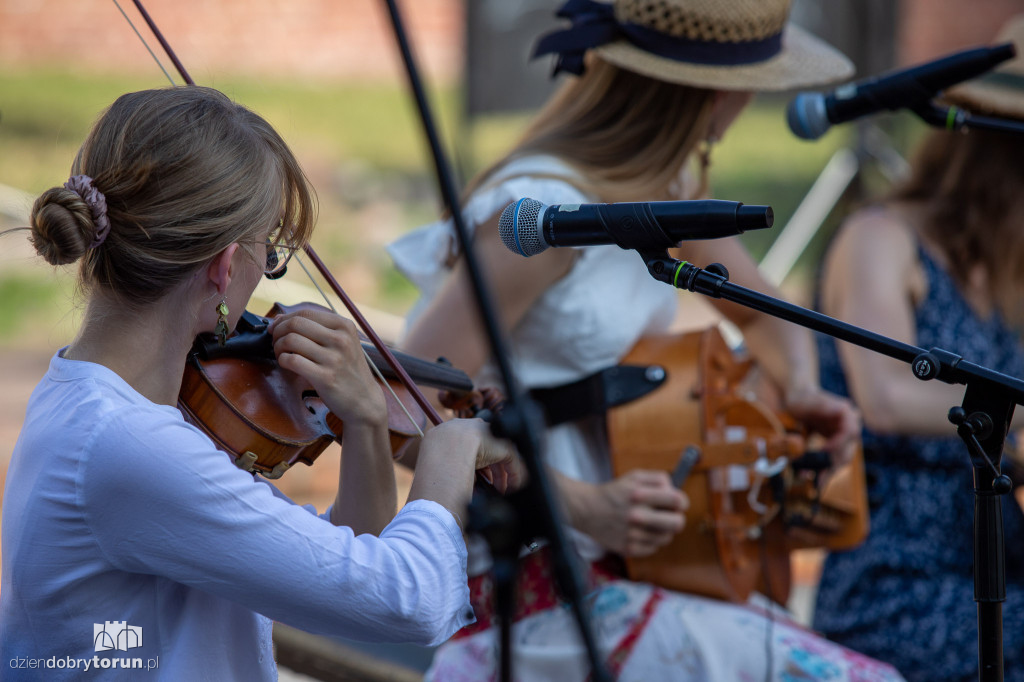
x,y
161,500
421,255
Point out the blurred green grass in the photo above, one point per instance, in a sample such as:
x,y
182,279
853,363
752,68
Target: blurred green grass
x,y
363,148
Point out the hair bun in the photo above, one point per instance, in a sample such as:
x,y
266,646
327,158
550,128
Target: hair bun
x,y
62,226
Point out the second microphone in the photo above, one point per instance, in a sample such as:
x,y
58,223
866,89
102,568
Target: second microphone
x,y
528,227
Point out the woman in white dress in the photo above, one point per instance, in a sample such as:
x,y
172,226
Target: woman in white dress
x,y
658,82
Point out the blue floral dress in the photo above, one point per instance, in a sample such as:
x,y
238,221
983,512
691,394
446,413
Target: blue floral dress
x,y
906,595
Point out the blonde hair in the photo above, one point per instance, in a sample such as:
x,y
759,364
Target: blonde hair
x,y
970,186
626,135
185,172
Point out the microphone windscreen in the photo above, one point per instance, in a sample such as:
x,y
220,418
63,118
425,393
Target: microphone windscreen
x,y
807,117
519,228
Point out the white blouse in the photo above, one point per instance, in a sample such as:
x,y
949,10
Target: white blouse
x,y
122,514
585,322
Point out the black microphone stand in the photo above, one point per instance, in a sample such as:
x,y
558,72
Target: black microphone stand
x,y
505,523
982,421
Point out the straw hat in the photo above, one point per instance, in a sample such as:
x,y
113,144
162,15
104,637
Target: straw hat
x,y
720,44
999,92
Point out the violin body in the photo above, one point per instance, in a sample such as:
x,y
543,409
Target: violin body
x,y
749,505
268,418
268,421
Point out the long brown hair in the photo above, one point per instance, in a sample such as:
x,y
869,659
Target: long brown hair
x,y
971,188
185,173
626,135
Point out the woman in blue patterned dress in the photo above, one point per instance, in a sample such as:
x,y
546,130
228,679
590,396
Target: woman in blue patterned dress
x,y
939,264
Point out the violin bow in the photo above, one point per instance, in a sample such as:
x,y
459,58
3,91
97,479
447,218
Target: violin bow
x,y
518,419
349,304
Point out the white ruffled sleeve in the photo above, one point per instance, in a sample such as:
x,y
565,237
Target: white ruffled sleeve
x,y
422,255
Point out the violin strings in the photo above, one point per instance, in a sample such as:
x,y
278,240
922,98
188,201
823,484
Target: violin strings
x,y
394,395
376,370
144,43
298,257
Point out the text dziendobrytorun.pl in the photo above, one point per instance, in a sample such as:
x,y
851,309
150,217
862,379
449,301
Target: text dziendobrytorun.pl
x,y
84,664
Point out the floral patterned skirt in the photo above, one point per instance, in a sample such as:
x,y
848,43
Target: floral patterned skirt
x,y
647,633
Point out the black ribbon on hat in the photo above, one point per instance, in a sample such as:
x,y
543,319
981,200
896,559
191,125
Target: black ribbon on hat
x,y
594,24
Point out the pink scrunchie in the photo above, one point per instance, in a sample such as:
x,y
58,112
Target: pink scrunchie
x,y
97,203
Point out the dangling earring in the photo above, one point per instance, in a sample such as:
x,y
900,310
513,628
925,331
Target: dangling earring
x,y
704,159
221,330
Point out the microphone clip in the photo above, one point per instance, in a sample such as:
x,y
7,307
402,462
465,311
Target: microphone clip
x,y
685,275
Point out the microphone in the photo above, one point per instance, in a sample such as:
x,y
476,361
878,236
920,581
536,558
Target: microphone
x,y
810,114
528,227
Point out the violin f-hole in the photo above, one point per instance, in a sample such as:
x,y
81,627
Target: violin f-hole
x,y
308,396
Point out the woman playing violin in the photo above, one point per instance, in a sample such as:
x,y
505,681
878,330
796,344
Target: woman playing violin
x,y
125,525
656,83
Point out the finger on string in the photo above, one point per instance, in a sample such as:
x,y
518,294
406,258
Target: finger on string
x,y
498,476
315,330
321,350
329,361
290,323
487,474
299,344
302,366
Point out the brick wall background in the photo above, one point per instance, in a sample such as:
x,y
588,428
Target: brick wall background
x,y
323,38
349,39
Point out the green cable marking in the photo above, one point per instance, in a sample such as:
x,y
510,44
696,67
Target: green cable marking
x,y
675,277
950,118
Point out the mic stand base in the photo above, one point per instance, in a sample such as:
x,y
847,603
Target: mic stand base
x,y
507,523
495,519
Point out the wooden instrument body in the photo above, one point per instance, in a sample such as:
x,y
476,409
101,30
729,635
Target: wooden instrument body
x,y
269,419
738,533
271,413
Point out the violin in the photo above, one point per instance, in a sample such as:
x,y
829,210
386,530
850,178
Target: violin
x,y
269,419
